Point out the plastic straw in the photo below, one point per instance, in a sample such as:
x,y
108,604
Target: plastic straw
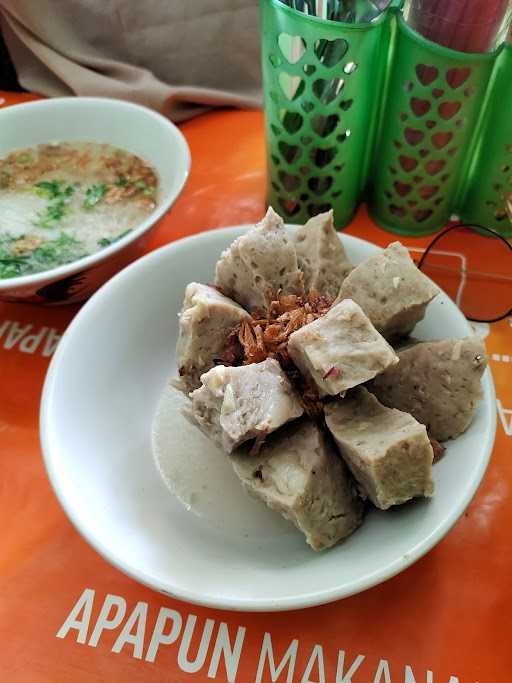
x,y
464,25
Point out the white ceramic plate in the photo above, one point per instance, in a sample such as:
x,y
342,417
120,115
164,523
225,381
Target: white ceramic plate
x,y
99,400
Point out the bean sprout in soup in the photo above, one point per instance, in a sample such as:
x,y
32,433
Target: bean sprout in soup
x,y
61,202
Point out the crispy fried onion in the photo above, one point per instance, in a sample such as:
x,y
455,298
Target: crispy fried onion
x,y
266,333
438,449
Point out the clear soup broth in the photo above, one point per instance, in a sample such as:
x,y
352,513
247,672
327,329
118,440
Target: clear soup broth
x,y
61,202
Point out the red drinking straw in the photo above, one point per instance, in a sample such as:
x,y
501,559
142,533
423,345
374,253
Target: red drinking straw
x,y
464,25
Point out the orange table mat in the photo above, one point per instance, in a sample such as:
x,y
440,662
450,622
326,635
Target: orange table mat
x,y
446,619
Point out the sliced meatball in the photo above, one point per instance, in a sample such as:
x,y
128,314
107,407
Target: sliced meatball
x,y
259,264
387,450
340,350
391,290
321,255
206,319
299,474
438,382
236,404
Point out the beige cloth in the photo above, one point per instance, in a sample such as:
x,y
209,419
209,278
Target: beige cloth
x,y
179,57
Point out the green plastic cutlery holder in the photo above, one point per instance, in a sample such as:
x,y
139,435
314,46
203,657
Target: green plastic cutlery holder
x,y
434,102
374,111
323,82
490,176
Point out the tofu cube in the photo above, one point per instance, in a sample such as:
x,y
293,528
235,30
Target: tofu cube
x,y
321,255
206,319
299,474
340,350
438,382
259,264
391,290
235,404
388,451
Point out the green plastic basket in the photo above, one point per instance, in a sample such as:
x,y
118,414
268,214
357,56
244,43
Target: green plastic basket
x,y
323,84
489,177
433,105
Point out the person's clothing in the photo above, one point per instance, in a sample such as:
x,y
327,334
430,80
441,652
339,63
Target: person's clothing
x,y
179,57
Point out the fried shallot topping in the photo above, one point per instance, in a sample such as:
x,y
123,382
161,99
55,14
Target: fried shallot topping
x,y
266,333
438,449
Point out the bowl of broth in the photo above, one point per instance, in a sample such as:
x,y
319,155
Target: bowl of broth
x,y
83,181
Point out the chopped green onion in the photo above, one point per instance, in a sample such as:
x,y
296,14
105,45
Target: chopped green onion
x,y
94,195
53,189
106,241
48,254
52,214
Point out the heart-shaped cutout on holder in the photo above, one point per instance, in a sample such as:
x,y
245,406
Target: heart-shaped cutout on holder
x,y
290,153
293,48
397,210
422,214
428,191
315,209
290,206
346,104
328,90
289,181
325,125
440,140
457,76
420,107
322,157
413,136
434,166
407,163
320,185
426,74
330,52
403,189
291,121
448,109
292,86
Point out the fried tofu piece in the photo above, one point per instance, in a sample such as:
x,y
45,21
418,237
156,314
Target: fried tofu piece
x,y
340,350
321,255
391,290
236,404
438,382
387,450
206,319
299,473
259,264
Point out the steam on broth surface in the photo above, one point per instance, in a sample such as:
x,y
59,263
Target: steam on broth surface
x,y
61,202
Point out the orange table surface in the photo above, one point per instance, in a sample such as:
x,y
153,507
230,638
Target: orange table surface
x,y
447,619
